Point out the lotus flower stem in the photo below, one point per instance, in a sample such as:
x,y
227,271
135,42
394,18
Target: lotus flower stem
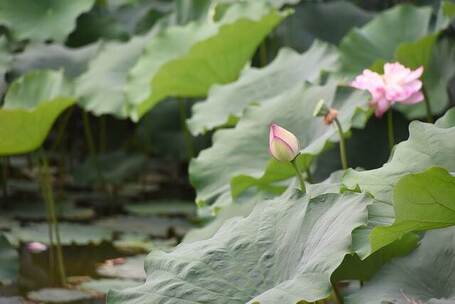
x,y
186,132
427,105
61,130
48,196
390,132
263,53
4,177
299,175
91,145
336,294
309,178
344,160
102,135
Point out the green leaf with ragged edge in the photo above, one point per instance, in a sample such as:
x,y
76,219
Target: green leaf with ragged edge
x,y
421,201
164,207
53,56
32,104
70,234
9,262
256,85
180,61
425,276
380,38
243,150
100,89
44,20
428,145
283,252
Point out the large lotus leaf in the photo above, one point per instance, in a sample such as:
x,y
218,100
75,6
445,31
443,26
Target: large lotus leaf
x,y
184,61
43,20
428,145
32,104
100,89
256,85
326,21
379,38
9,262
421,202
425,276
55,57
77,234
243,150
283,252
129,268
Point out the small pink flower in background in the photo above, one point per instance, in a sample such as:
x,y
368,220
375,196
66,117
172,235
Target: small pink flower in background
x,y
36,247
283,145
398,84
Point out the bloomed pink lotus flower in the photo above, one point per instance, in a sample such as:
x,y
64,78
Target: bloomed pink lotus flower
x,y
36,247
398,84
283,145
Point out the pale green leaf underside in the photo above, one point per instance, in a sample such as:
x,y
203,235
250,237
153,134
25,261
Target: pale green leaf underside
x,y
185,61
256,85
42,20
422,201
32,104
283,252
425,276
9,261
239,157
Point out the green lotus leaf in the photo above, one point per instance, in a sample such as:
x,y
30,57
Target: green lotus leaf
x,y
422,201
100,89
179,62
257,85
50,19
326,21
39,56
425,276
9,262
379,38
32,104
131,268
102,286
428,145
5,61
239,157
283,252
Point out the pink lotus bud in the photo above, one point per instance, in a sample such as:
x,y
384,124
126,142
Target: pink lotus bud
x,y
283,145
398,84
36,247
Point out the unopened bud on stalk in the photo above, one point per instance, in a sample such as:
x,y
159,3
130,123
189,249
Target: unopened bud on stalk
x,y
283,145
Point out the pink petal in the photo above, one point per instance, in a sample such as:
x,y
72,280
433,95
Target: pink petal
x,y
413,99
414,74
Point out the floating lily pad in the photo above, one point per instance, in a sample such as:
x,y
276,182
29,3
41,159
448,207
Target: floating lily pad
x,y
59,296
70,234
127,268
36,211
162,207
9,262
152,225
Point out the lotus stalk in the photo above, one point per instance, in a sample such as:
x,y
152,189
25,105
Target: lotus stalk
x,y
331,116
